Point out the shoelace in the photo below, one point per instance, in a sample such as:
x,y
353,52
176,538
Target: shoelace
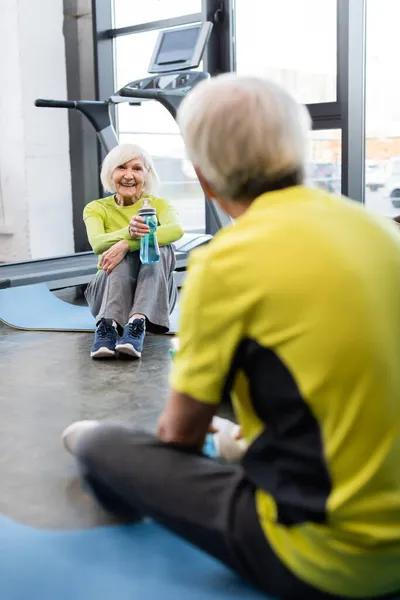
x,y
105,330
136,328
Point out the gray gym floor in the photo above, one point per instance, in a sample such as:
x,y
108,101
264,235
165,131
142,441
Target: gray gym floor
x,y
47,380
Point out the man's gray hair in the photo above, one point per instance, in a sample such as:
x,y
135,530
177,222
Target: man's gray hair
x,y
122,154
244,133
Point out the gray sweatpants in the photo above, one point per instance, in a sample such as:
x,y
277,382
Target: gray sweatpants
x,y
133,288
212,505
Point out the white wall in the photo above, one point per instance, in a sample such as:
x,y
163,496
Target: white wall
x,y
35,180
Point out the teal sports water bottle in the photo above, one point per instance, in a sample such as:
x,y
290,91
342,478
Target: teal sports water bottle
x,y
149,249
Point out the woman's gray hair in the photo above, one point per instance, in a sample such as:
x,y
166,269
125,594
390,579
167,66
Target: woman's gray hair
x,y
122,154
244,134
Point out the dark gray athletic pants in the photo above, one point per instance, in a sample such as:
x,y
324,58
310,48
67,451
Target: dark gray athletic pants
x,y
210,504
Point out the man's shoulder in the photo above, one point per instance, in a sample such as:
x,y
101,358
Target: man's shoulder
x,y
216,256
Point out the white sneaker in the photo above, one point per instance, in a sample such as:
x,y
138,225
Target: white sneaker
x,y
175,344
174,347
73,432
227,447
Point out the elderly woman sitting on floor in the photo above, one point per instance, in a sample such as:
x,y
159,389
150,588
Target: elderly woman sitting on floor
x,y
125,296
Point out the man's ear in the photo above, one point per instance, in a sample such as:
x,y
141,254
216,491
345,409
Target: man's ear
x,y
207,189
210,193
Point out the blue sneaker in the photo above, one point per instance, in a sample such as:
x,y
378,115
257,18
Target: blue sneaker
x,y
132,340
105,339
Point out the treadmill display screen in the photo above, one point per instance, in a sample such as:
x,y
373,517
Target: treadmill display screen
x,y
180,48
177,46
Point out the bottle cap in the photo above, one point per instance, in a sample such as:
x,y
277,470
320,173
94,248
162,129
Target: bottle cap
x,y
146,203
146,209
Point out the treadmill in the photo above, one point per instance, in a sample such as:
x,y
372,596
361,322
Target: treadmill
x,y
177,53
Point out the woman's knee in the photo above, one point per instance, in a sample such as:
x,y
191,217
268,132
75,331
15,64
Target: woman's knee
x,y
168,257
167,250
128,266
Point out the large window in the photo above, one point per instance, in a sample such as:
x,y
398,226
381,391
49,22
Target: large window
x,y
129,12
150,125
132,56
325,167
382,171
293,42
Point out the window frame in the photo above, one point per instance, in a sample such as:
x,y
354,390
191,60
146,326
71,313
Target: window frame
x,y
347,113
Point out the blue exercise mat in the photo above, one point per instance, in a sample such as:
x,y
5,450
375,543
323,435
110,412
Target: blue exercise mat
x,y
36,308
133,562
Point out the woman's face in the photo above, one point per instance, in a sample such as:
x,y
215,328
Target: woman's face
x,y
129,179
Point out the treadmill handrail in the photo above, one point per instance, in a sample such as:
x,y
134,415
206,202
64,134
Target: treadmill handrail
x,y
43,103
96,111
150,94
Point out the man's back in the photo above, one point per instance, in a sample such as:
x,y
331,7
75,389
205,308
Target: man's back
x,y
305,292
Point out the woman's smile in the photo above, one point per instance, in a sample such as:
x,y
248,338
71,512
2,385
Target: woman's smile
x,y
129,181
